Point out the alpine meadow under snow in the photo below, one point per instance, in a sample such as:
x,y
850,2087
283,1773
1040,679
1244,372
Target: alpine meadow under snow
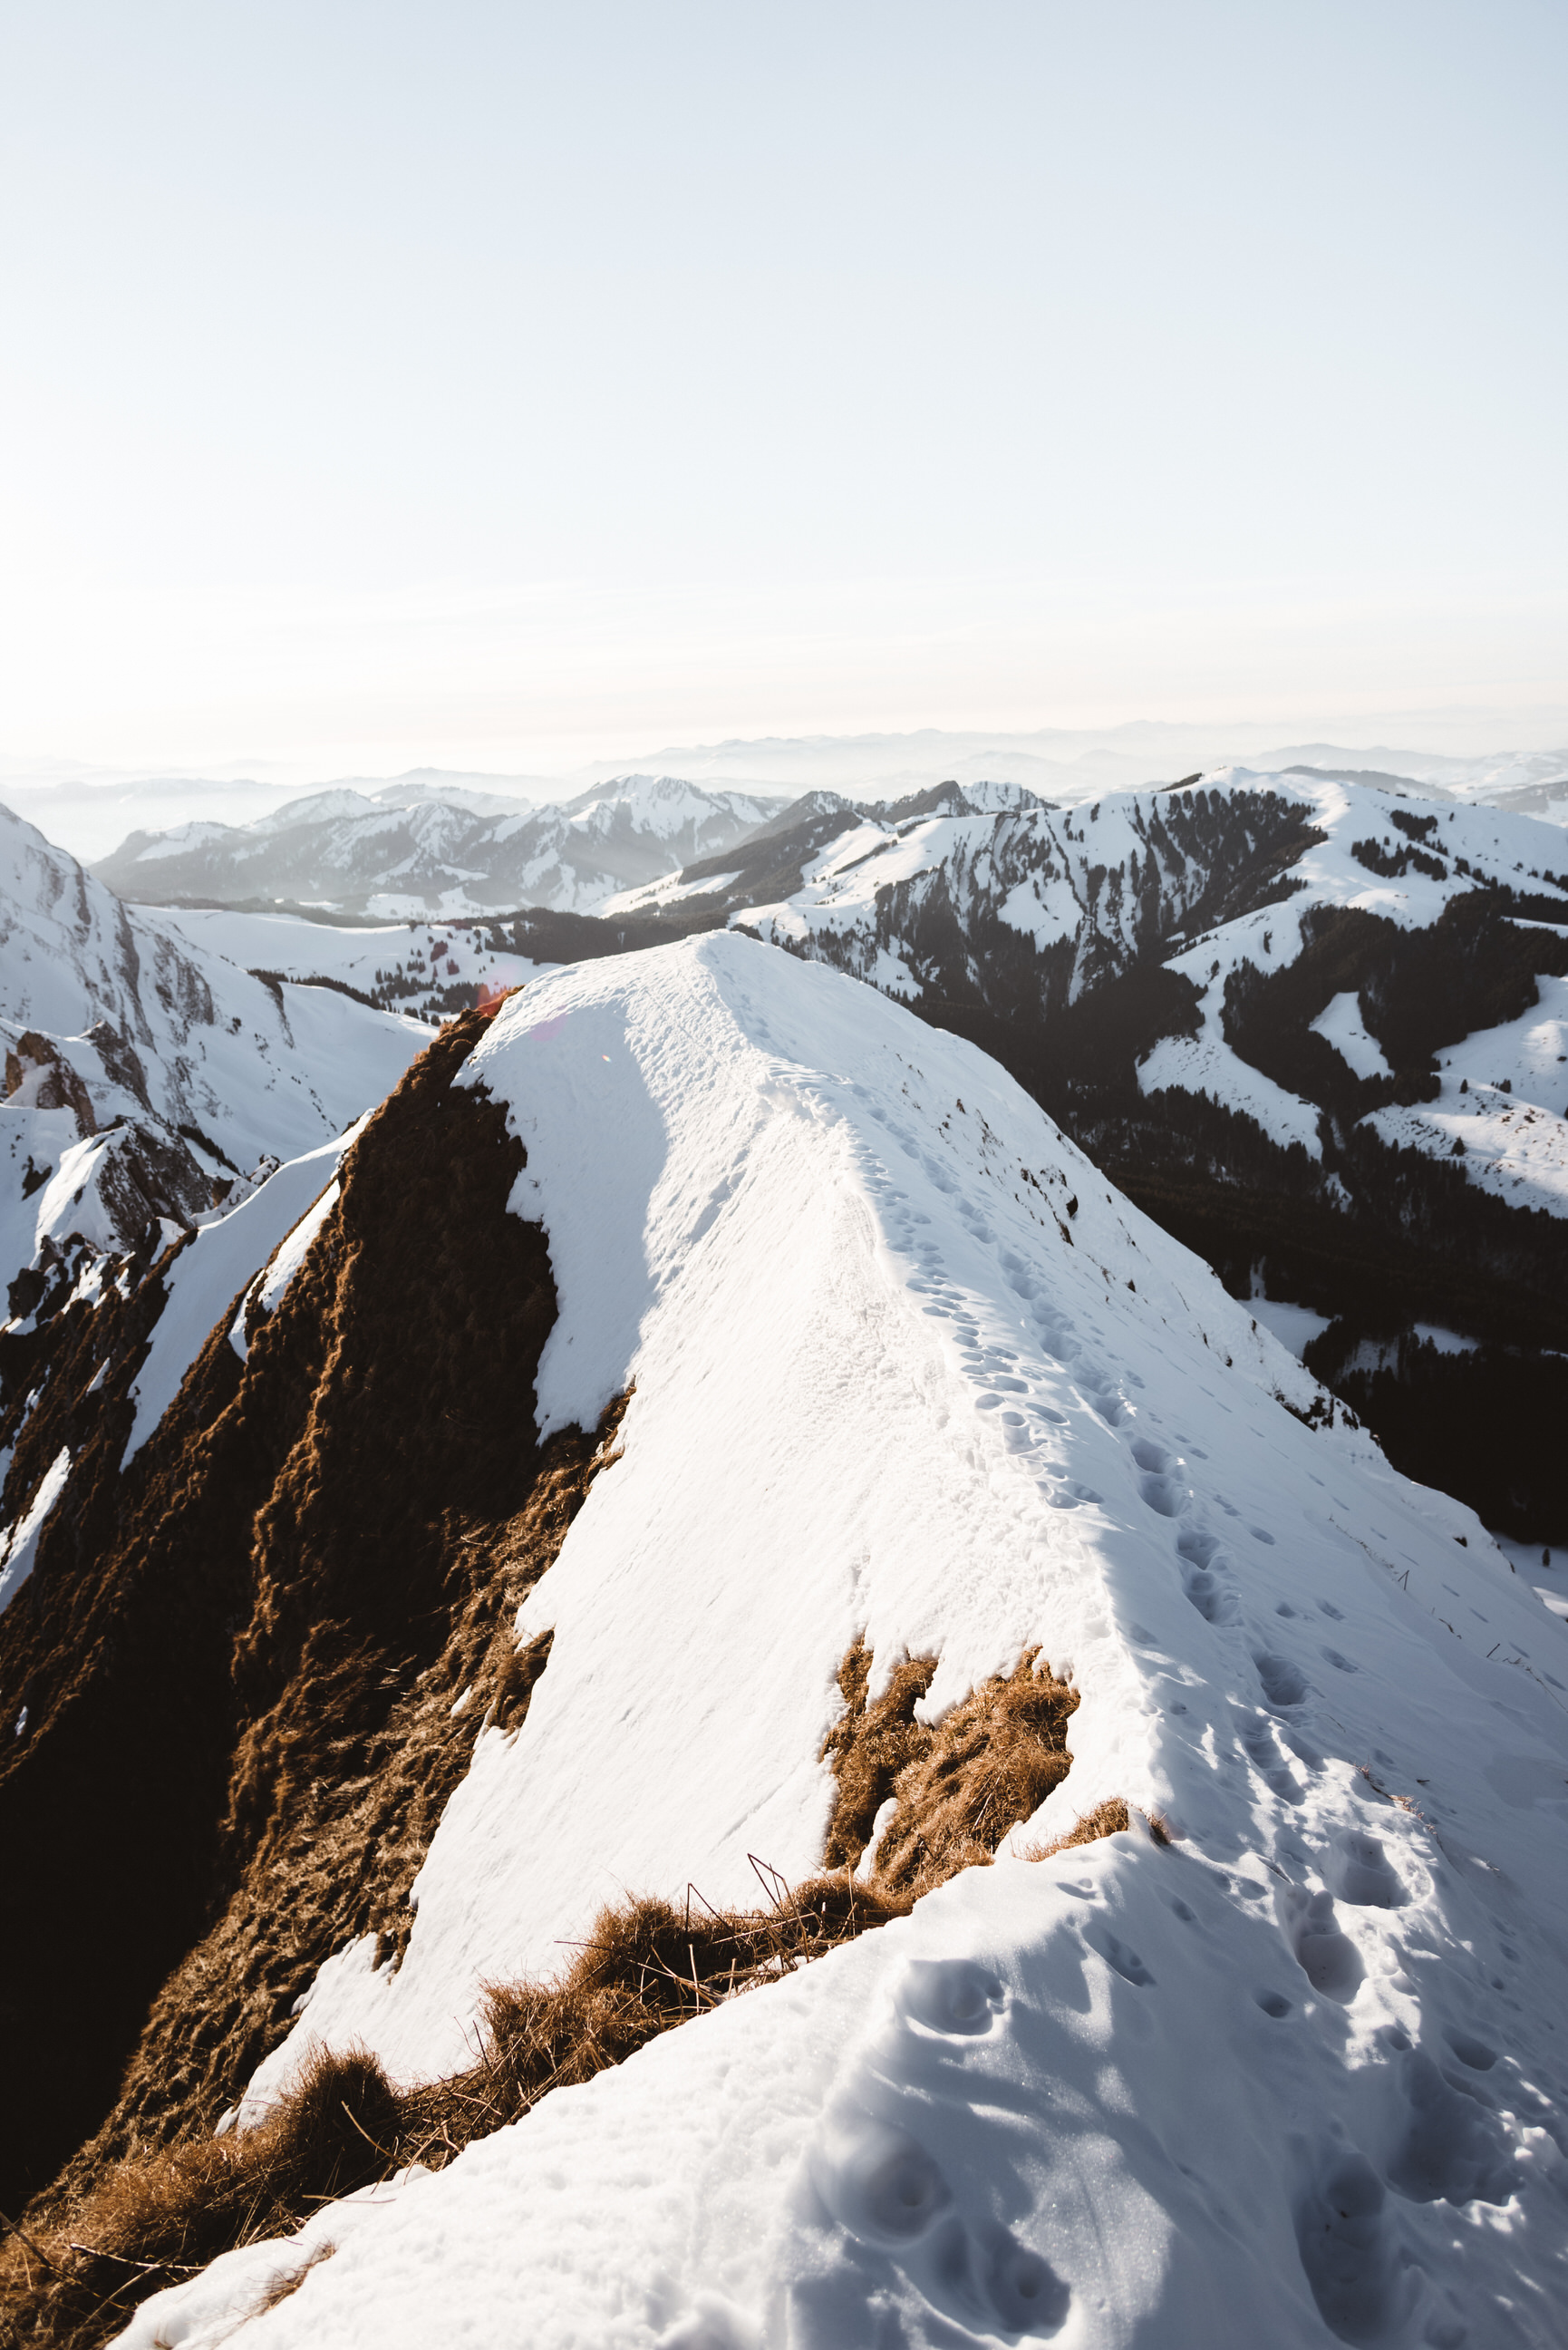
x,y
904,1368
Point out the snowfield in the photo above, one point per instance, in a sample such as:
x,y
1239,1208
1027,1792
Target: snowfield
x,y
304,950
904,1366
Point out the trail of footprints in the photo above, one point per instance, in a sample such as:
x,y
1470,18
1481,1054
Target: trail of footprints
x,y
1444,2132
882,2207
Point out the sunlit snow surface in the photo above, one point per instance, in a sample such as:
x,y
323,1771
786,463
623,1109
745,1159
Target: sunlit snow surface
x,y
203,1277
906,1367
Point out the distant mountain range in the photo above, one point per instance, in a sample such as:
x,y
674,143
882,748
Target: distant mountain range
x,y
433,851
1073,767
91,814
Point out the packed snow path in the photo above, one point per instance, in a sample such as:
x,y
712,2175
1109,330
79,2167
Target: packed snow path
x,y
905,1366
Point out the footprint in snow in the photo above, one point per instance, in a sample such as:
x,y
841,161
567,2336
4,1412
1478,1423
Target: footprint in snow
x,y
1213,1602
1329,1959
1348,2250
906,2239
1165,1495
1117,1954
1069,1496
1283,1682
1260,1744
951,1995
1361,1873
880,2183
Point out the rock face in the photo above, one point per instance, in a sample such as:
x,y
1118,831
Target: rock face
x,y
340,850
907,1404
227,1679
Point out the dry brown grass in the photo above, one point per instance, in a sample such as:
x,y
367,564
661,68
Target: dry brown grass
x,y
520,1669
320,1547
142,2223
646,1966
1107,1819
960,1786
159,2216
285,2285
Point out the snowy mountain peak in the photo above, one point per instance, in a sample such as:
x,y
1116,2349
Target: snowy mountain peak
x,y
419,851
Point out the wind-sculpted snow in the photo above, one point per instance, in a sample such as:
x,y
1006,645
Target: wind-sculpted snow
x,y
905,1368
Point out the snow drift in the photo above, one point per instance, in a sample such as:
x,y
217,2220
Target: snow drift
x,y
905,1370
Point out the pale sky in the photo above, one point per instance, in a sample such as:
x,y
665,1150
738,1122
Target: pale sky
x,y
499,385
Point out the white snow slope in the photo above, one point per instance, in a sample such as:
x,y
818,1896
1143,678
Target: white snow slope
x,y
905,1368
416,960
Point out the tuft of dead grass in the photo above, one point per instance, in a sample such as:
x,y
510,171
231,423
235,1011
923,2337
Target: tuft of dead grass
x,y
285,2286
1109,1818
646,1966
870,1746
515,1683
960,1785
163,2214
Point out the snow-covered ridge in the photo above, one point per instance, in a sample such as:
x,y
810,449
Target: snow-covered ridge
x,y
165,1024
905,1366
